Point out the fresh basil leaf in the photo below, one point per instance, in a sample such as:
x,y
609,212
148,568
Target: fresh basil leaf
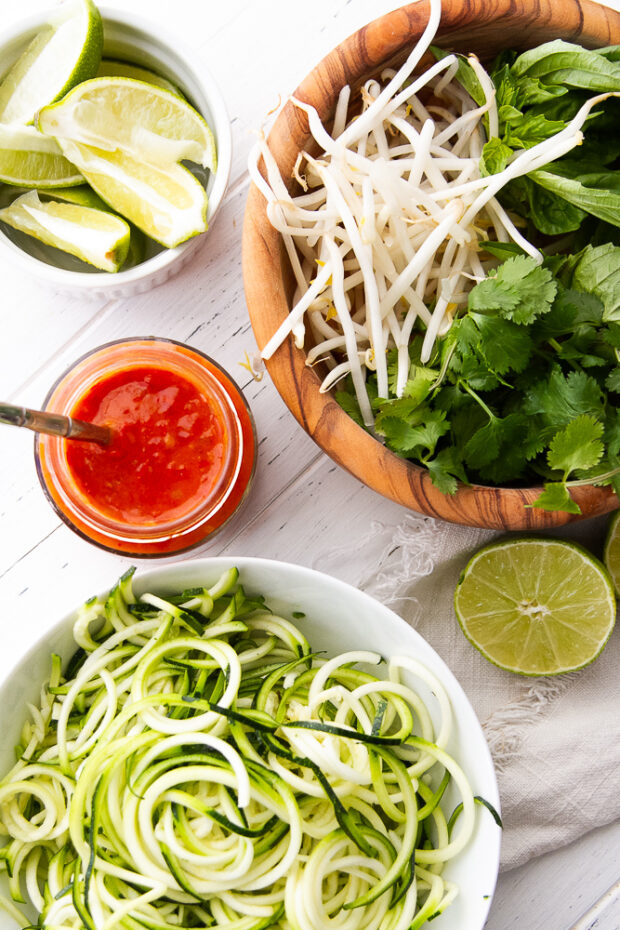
x,y
465,75
611,52
550,214
529,129
605,204
507,112
560,62
494,158
501,250
597,271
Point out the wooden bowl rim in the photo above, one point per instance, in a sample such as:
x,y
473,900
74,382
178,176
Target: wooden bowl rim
x,y
323,419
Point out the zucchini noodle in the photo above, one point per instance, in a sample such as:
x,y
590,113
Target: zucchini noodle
x,y
197,765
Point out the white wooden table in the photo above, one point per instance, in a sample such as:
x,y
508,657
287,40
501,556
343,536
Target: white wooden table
x,y
301,503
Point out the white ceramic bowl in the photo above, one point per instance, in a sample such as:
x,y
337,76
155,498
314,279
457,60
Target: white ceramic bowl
x,y
130,38
337,618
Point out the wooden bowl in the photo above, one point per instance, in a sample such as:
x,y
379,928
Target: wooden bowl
x,y
466,26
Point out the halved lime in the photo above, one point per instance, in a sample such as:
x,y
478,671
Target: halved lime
x,y
96,237
167,203
536,606
111,68
612,550
63,53
30,159
163,130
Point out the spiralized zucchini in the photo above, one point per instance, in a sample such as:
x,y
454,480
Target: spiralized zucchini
x,y
197,765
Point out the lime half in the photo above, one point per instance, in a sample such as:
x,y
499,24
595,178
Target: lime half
x,y
62,54
536,606
612,550
96,237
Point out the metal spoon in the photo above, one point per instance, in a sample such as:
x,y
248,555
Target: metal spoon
x,y
54,424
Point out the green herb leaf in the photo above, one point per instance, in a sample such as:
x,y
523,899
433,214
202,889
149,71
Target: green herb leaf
x,y
348,401
567,64
561,398
604,203
552,215
597,271
556,497
465,75
505,346
446,469
529,129
520,290
612,381
420,435
577,446
501,250
494,158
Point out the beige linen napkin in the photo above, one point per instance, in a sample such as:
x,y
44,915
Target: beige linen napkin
x,y
555,741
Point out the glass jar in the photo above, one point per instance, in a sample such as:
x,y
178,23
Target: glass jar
x,y
172,475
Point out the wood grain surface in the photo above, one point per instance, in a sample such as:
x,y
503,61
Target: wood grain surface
x,y
480,26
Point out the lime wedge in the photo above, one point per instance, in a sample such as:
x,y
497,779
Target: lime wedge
x,y
99,238
112,68
536,606
30,159
83,196
63,53
167,203
163,130
612,550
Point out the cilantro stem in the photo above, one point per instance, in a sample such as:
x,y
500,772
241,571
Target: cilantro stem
x,y
557,348
604,476
444,368
477,398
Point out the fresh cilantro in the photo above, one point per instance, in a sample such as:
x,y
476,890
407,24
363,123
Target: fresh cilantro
x,y
560,397
612,381
520,290
524,387
418,433
445,469
577,446
348,402
556,496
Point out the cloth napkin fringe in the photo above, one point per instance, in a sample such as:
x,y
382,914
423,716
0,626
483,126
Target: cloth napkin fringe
x,y
506,729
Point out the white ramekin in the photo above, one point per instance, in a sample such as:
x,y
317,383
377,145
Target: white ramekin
x,y
134,39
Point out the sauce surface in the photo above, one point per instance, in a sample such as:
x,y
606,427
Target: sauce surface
x,y
168,449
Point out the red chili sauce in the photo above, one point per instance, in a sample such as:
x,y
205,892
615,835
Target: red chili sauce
x,y
168,448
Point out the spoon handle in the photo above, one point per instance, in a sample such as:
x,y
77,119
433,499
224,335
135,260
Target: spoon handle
x,y
53,424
